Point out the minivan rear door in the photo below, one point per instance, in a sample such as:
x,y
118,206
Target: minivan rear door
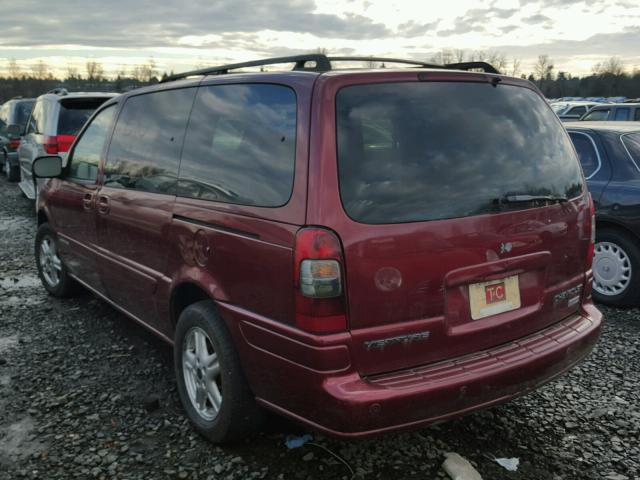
x,y
462,211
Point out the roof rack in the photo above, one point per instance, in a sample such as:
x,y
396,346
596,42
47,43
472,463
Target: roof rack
x,y
322,63
59,91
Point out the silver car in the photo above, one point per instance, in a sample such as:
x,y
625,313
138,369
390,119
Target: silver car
x,y
56,119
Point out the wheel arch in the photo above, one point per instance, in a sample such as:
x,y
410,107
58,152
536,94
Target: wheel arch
x,y
606,224
184,294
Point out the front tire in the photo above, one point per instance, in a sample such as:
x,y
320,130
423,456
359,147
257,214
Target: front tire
x,y
51,270
211,383
616,269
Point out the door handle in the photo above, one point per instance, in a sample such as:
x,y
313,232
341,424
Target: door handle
x,y
103,204
87,201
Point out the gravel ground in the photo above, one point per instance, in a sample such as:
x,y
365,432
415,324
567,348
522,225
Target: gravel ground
x,y
86,393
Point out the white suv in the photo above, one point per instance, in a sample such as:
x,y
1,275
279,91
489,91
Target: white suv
x,y
56,119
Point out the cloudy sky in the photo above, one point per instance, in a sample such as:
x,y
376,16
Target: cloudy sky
x,y
123,33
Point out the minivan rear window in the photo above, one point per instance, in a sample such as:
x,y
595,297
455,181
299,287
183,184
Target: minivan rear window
x,y
411,152
75,113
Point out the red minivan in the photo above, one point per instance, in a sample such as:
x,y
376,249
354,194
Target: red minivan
x,y
360,250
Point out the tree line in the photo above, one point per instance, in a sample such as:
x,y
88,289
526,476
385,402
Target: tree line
x,y
610,78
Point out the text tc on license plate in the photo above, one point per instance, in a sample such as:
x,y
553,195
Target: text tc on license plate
x,y
496,296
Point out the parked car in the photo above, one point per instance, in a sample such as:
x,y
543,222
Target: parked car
x,y
14,115
568,111
610,157
362,251
56,119
613,111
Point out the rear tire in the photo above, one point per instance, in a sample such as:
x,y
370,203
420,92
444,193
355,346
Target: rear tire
x,y
11,172
211,383
616,268
51,269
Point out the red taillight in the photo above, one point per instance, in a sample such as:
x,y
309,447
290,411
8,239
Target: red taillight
x,y
64,142
14,143
58,143
319,281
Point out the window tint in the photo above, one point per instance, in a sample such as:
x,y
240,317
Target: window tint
x,y
632,142
456,150
36,121
75,113
240,145
586,153
85,158
145,150
577,111
636,116
601,114
622,113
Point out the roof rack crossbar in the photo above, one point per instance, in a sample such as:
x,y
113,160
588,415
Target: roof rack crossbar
x,y
486,67
323,64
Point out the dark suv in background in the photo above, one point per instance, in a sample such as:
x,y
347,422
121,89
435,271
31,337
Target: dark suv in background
x,y
362,251
14,115
610,157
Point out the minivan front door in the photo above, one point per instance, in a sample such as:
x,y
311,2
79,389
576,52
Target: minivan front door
x,y
135,203
72,201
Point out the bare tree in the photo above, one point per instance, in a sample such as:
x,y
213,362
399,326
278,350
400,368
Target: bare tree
x,y
514,70
543,69
459,55
611,66
72,72
94,70
443,57
13,69
498,60
40,70
146,72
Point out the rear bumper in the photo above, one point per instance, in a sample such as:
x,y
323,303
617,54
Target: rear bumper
x,y
315,385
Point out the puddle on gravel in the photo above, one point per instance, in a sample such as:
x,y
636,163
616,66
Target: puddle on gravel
x,y
14,282
17,441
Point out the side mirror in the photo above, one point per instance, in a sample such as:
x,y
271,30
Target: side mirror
x,y
47,166
14,130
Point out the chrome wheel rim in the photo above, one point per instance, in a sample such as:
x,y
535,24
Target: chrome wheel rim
x,y
611,269
50,263
201,371
7,167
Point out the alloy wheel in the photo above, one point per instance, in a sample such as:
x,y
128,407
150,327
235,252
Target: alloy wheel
x,y
50,263
201,371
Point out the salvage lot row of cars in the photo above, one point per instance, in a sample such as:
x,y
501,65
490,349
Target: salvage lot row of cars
x,y
350,248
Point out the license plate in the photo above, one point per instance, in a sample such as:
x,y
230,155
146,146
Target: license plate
x,y
496,296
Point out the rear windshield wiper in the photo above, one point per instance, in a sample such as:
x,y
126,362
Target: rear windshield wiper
x,y
513,198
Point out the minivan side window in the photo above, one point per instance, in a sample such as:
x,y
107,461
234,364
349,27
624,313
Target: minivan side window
x,y
622,113
600,114
586,153
145,149
240,145
85,158
37,119
577,111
